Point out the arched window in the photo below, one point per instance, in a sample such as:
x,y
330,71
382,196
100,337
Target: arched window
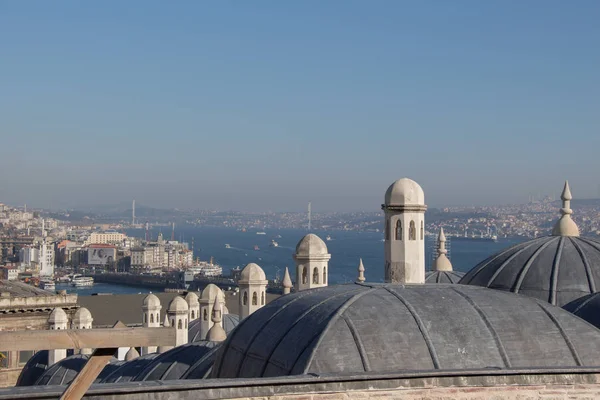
x,y
193,314
245,301
179,325
144,318
262,299
387,230
254,299
304,276
398,230
422,231
157,317
316,275
324,275
151,318
412,231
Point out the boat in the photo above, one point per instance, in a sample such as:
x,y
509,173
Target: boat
x,y
261,233
256,247
328,238
48,285
227,246
278,237
82,281
206,269
274,243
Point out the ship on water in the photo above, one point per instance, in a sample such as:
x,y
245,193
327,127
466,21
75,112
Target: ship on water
x,y
206,269
82,281
274,243
227,246
48,284
261,233
256,247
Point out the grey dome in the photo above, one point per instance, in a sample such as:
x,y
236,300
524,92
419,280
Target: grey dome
x,y
586,308
175,363
443,276
130,369
230,321
556,269
64,371
383,328
35,367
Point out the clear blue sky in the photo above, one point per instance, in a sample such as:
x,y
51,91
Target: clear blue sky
x,y
258,105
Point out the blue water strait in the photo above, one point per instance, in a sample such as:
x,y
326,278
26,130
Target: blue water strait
x,y
345,247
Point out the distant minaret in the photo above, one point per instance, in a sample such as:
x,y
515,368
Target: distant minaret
x,y
147,232
309,217
173,233
133,213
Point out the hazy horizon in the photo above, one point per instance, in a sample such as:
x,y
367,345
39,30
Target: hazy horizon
x,y
257,106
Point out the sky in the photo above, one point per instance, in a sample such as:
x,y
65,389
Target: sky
x,y
267,105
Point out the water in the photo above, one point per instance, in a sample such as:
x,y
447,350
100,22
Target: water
x,y
346,247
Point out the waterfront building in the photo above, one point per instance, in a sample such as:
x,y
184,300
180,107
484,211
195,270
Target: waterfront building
x,y
312,263
115,238
253,288
404,209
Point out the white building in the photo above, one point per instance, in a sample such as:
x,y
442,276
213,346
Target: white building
x,y
105,238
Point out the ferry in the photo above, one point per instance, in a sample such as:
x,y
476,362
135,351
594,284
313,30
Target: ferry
x,y
261,233
274,243
328,238
47,285
82,281
227,246
206,269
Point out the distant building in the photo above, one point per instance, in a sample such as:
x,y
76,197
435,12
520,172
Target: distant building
x,y
105,238
9,273
101,255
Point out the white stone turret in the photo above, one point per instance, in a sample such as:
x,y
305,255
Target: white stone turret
x,y
312,259
565,225
404,209
58,320
216,332
193,305
207,301
253,289
287,282
82,320
361,272
442,263
151,317
178,313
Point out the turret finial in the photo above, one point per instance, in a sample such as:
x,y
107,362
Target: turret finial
x,y
361,271
565,225
442,263
287,282
166,322
216,333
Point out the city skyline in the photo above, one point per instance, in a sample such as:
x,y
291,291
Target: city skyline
x,y
268,106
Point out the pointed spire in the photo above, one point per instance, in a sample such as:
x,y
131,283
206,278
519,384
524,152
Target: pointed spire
x,y
132,354
442,263
216,333
166,322
565,225
361,272
287,282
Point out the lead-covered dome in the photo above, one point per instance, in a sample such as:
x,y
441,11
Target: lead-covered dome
x,y
230,321
311,245
385,328
586,308
443,276
556,269
404,191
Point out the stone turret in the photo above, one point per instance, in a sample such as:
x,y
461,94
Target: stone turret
x,y
58,320
193,305
217,333
253,288
150,317
178,314
361,272
82,320
312,261
565,225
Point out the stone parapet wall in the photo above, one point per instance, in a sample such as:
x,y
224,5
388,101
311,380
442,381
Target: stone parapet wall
x,y
465,385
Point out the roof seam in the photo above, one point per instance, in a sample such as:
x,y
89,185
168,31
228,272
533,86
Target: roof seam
x,y
359,344
420,325
488,324
564,335
554,273
586,264
526,246
525,269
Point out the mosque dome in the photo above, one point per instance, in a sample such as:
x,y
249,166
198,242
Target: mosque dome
x,y
151,301
404,192
178,304
311,245
64,371
130,369
557,269
253,272
230,321
381,328
586,308
58,316
443,276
